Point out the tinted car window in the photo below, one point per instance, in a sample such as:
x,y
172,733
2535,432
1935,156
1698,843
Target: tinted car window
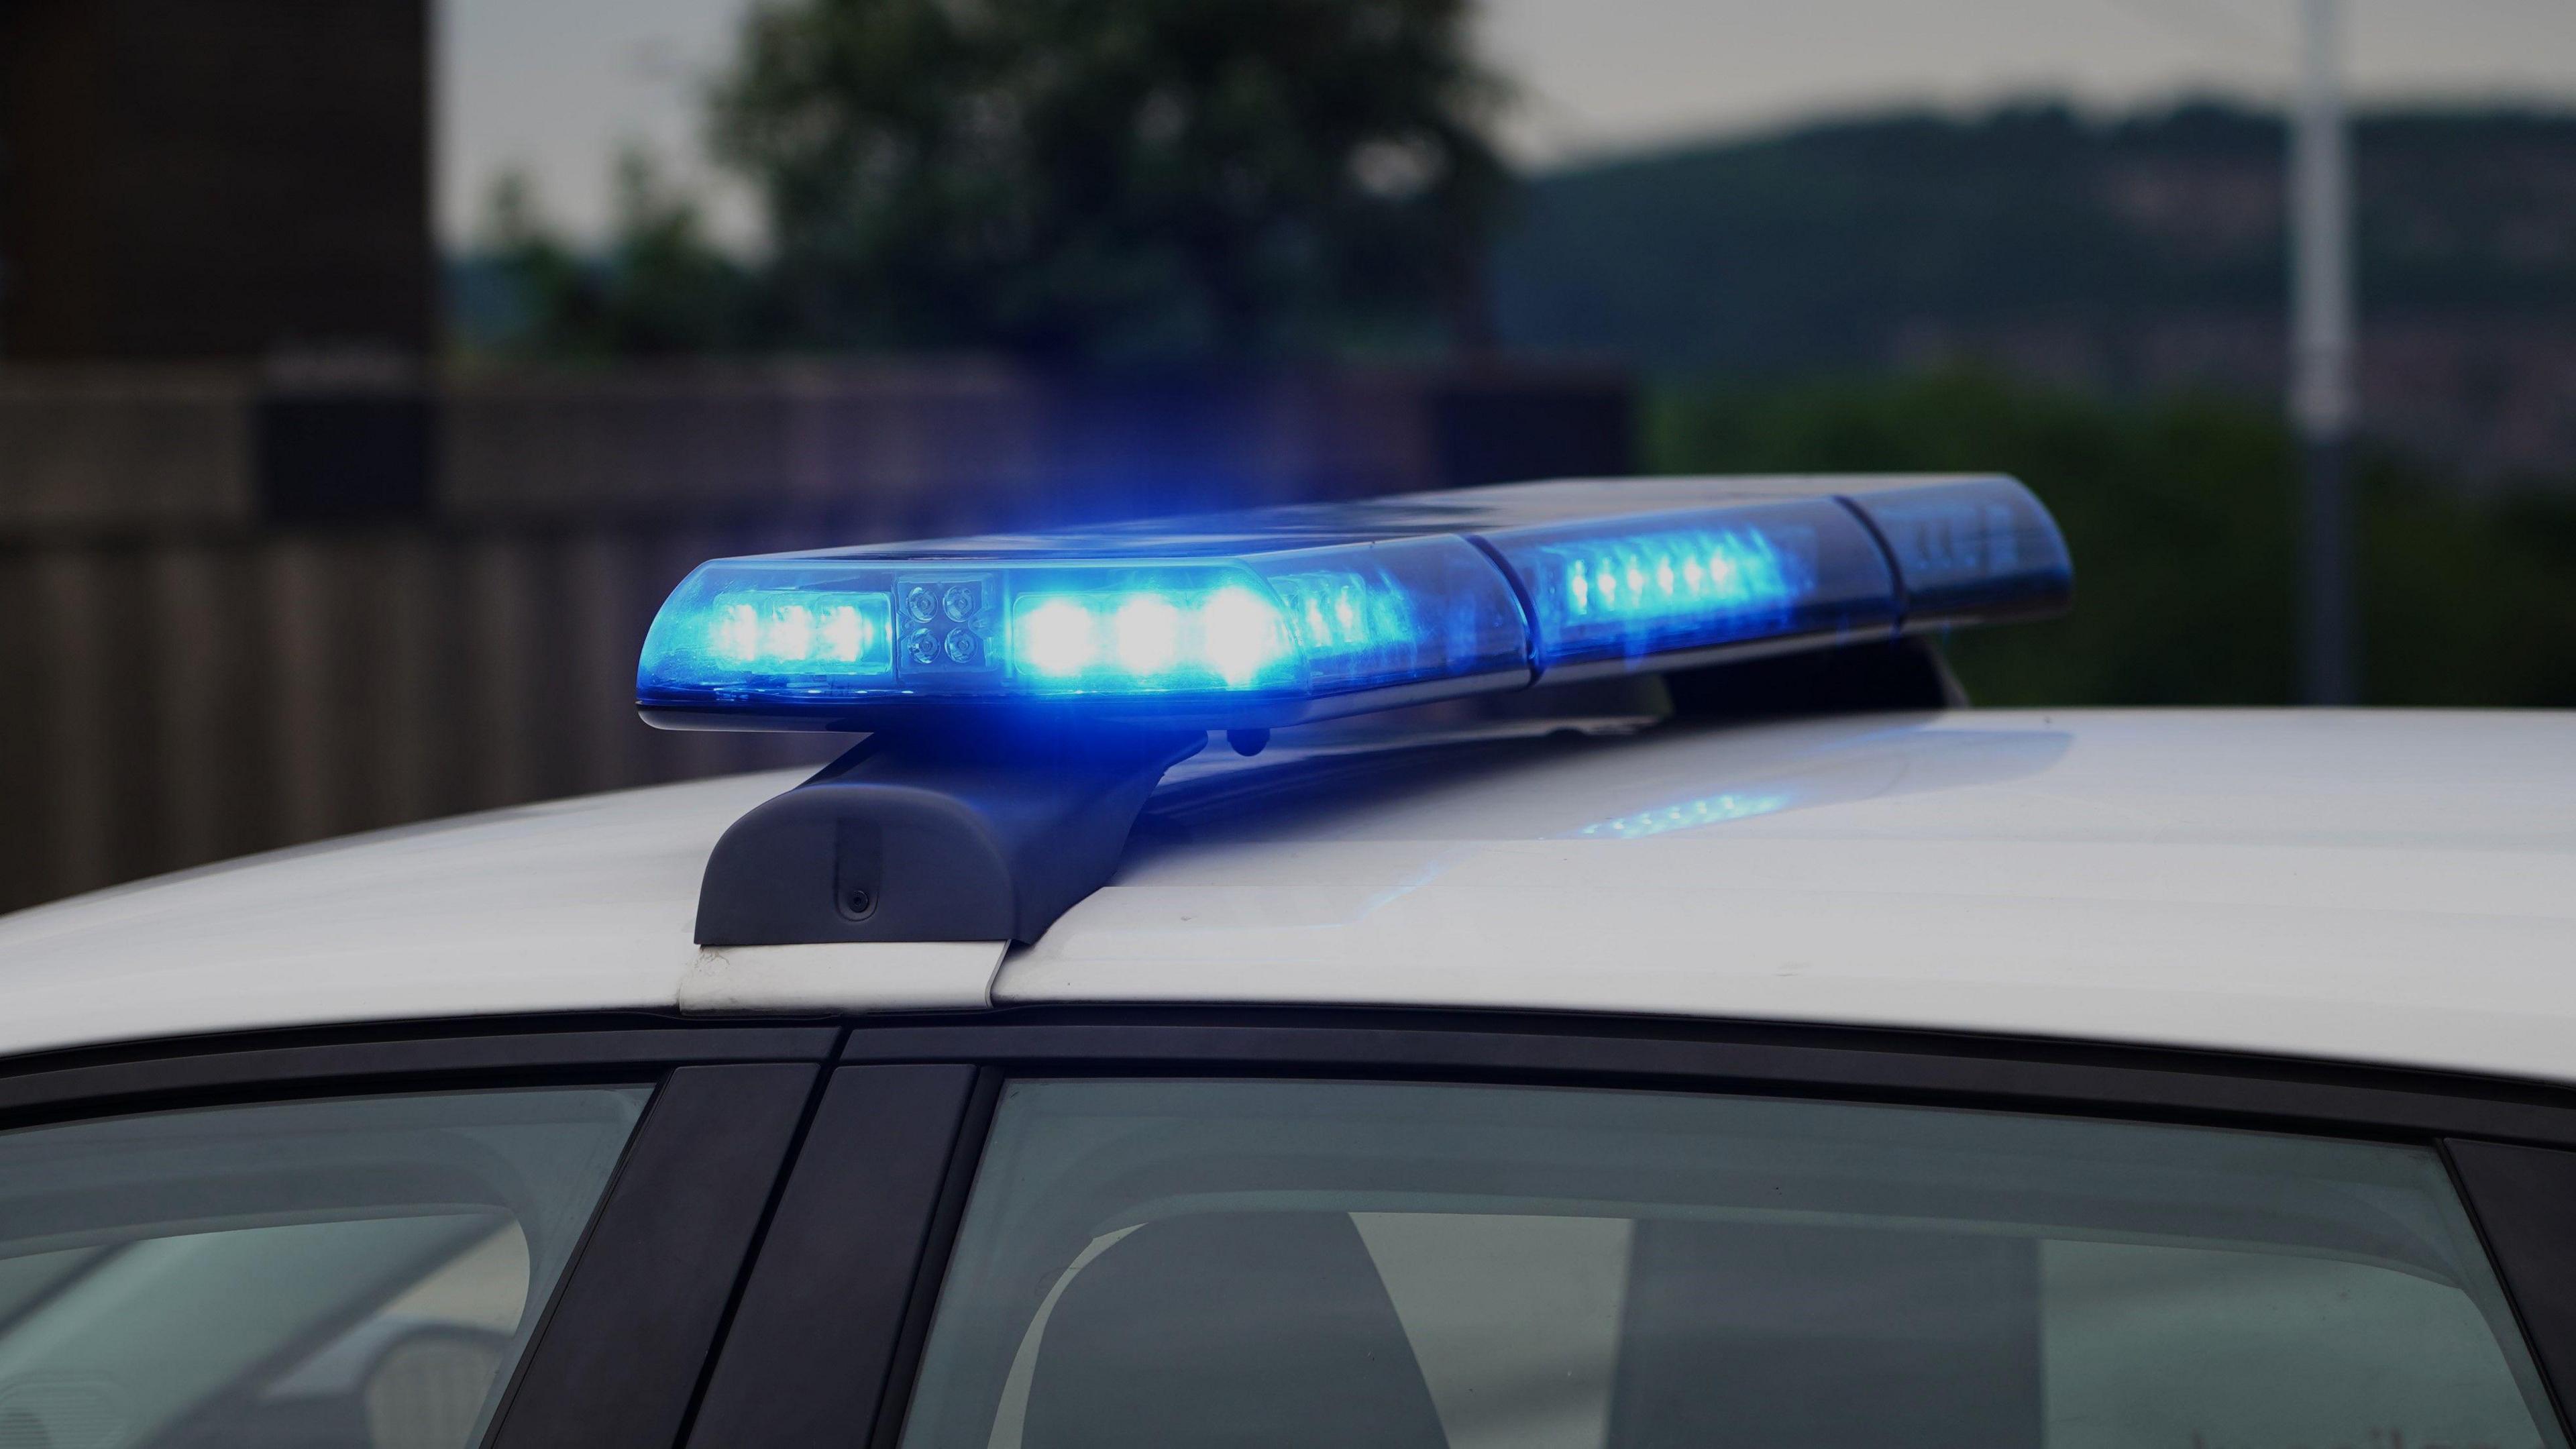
x,y
351,1274
1399,1266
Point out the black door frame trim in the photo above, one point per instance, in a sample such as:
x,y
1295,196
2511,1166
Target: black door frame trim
x,y
164,1074
838,1298
617,1359
2022,1074
938,1243
2521,1200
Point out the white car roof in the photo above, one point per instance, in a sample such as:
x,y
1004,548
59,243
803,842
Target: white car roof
x,y
2390,887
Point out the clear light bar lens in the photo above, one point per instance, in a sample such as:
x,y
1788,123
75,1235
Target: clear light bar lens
x,y
1970,549
1644,584
1637,589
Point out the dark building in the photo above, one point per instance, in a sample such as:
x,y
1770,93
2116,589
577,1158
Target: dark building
x,y
206,179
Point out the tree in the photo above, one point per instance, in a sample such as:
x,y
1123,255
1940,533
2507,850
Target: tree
x,y
1092,180
659,289
2179,512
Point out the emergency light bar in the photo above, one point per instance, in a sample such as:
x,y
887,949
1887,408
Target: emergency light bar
x,y
1274,616
955,820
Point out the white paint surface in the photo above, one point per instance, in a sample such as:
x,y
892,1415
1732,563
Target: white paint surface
x,y
2380,887
583,905
899,976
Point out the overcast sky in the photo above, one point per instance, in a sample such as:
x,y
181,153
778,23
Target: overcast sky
x,y
555,86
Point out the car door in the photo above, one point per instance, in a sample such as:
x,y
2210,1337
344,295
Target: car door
x,y
1066,1230
426,1241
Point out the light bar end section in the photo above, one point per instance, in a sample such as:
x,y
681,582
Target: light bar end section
x,y
1970,550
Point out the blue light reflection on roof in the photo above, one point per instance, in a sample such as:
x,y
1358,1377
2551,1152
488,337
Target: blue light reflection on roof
x,y
1687,815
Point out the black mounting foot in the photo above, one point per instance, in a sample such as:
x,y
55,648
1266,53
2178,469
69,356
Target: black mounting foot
x,y
955,837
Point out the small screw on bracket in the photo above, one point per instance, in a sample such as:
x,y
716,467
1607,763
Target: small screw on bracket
x,y
859,902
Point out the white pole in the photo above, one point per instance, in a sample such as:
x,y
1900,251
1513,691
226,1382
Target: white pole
x,y
2321,330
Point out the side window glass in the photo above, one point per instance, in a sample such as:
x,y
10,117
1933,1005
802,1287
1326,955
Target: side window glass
x,y
345,1274
1396,1266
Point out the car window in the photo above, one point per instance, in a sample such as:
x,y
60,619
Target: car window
x,y
344,1274
1408,1266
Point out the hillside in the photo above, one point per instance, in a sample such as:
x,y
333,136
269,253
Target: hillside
x,y
2132,254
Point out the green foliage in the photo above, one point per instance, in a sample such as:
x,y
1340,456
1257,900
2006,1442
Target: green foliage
x,y
1116,179
661,288
2179,514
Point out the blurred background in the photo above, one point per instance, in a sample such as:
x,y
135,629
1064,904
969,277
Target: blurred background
x,y
368,371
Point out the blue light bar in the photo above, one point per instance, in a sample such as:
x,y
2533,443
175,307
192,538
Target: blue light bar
x,y
1280,615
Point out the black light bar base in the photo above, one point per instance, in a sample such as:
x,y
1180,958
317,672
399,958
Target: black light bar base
x,y
1883,674
958,836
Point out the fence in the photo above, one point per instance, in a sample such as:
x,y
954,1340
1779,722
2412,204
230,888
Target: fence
x,y
238,613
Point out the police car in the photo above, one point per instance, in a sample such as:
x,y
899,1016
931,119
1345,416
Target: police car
x,y
1547,967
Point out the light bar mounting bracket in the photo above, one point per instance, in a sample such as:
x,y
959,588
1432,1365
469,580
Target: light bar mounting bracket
x,y
960,835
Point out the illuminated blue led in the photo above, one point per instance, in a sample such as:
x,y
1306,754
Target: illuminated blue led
x,y
1677,576
1229,637
1146,635
780,637
1241,635
1611,594
1059,637
1281,624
